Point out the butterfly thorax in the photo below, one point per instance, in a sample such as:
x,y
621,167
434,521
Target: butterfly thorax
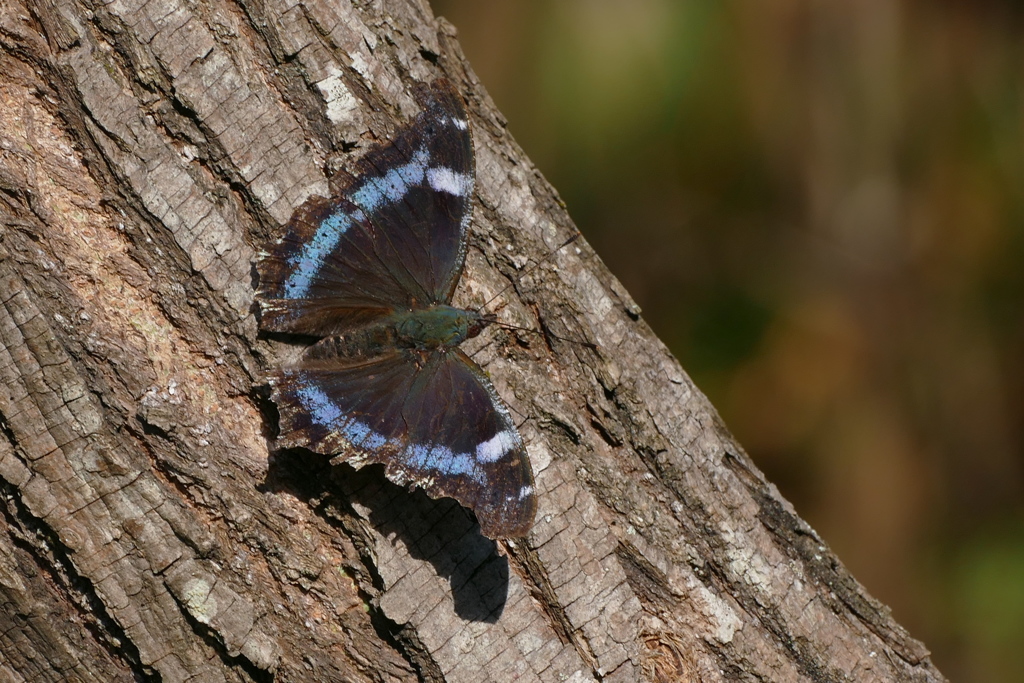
x,y
436,327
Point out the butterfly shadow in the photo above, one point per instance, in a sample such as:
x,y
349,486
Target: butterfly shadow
x,y
440,532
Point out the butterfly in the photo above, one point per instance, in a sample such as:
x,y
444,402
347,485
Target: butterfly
x,y
371,271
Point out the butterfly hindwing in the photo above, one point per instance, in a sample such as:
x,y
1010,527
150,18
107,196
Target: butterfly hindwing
x,y
393,234
331,408
437,424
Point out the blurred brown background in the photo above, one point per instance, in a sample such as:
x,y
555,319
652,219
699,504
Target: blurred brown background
x,y
820,208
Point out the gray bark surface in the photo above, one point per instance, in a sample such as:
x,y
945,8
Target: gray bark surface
x,y
149,530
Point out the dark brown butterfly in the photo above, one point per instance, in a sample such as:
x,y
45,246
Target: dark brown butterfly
x,y
372,270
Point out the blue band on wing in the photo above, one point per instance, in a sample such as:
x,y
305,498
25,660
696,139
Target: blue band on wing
x,y
393,185
326,413
376,192
313,254
321,408
439,459
442,460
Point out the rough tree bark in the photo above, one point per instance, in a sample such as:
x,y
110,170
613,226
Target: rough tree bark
x,y
149,530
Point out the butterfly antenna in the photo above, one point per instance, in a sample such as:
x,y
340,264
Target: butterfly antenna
x,y
510,326
532,268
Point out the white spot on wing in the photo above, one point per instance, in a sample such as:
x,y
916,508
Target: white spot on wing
x,y
445,179
496,447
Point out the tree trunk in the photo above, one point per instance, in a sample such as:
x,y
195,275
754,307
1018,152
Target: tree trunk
x,y
151,532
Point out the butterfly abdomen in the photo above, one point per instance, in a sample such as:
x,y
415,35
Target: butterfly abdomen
x,y
422,329
368,341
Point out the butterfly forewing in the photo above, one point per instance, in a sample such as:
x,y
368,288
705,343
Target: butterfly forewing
x,y
319,281
460,429
430,165
392,236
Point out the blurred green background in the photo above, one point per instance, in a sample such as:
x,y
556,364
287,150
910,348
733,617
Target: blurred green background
x,y
820,208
